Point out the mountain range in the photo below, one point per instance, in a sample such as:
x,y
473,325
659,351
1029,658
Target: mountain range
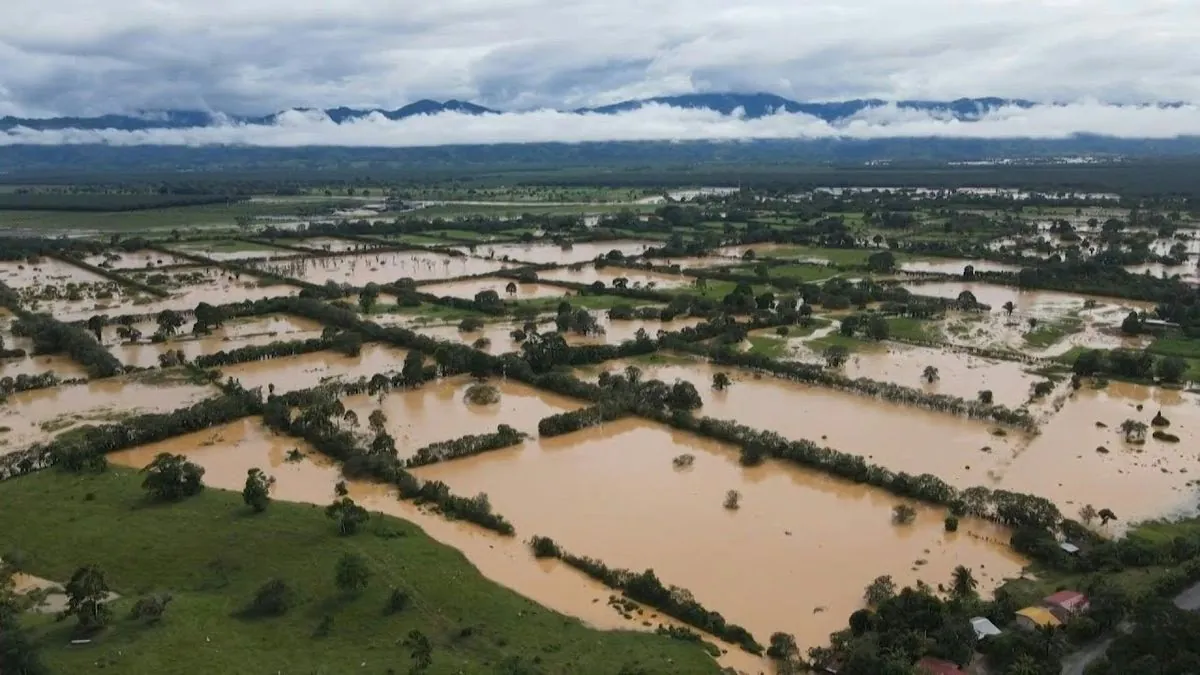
x,y
750,105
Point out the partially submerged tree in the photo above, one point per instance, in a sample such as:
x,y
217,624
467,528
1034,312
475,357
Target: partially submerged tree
x,y
720,381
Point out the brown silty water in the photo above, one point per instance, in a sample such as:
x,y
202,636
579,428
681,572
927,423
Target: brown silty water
x,y
636,279
438,411
1028,303
380,268
216,287
44,272
549,253
234,334
1060,463
29,364
39,415
331,244
467,289
613,493
955,266
619,331
249,251
303,371
499,335
133,260
228,452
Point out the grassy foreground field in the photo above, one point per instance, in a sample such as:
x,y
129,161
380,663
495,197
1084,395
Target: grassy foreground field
x,y
211,553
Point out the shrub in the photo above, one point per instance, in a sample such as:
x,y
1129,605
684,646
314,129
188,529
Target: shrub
x,y
396,602
273,598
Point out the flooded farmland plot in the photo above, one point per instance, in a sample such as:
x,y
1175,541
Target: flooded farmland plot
x,y
304,371
229,451
617,331
543,253
1187,272
45,272
331,244
955,266
613,493
468,288
589,274
381,268
231,250
134,260
439,412
961,451
234,334
498,335
62,366
40,415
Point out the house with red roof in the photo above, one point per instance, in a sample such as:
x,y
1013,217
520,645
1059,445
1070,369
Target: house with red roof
x,y
931,666
1066,604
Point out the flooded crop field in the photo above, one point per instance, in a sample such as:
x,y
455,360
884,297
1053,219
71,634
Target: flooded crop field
x,y
589,274
331,244
618,497
1027,303
39,415
468,288
231,250
955,266
134,260
234,334
304,371
34,277
380,268
550,253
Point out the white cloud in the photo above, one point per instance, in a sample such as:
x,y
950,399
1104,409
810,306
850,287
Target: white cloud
x,y
254,56
650,123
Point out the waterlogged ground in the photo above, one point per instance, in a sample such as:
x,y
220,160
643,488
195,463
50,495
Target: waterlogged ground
x,y
438,411
232,250
332,244
303,371
39,415
955,266
233,334
613,493
133,260
1040,304
380,268
619,331
60,365
44,272
551,253
589,274
1187,272
1060,463
468,288
229,451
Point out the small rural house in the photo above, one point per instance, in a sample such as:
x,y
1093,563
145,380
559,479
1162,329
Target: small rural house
x,y
1066,604
932,666
1032,618
983,628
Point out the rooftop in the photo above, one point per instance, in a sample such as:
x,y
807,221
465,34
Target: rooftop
x,y
931,666
1039,616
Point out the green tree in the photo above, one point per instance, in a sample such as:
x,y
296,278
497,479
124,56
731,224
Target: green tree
x,y
96,324
903,514
835,356
783,647
963,583
930,374
257,492
368,296
348,515
169,322
274,598
1132,325
413,371
986,397
172,477
1170,369
87,593
1135,431
884,261
880,590
421,651
352,574
721,381
877,327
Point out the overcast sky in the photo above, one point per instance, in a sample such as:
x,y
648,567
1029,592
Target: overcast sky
x,y
253,56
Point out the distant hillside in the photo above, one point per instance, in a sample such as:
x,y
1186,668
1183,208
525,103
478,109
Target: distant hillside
x,y
750,105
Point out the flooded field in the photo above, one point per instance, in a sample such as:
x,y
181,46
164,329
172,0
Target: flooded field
x,y
616,496
232,335
37,416
636,278
618,331
959,374
1187,272
205,284
231,250
1041,304
467,288
380,268
46,272
962,452
548,252
229,451
332,244
131,260
61,366
955,266
437,411
303,371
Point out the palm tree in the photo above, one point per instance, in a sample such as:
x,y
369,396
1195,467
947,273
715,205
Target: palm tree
x,y
931,374
964,584
1135,431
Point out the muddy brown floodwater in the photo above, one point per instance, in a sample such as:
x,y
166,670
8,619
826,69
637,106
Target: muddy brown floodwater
x,y
1028,303
45,272
781,562
437,411
467,288
133,260
229,451
60,365
332,244
545,253
955,266
244,250
1060,464
303,371
233,334
637,279
39,415
381,268
499,335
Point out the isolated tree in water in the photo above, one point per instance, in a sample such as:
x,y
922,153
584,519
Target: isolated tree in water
x,y
720,381
169,322
96,324
930,374
368,297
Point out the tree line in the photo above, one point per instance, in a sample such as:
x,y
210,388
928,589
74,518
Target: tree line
x,y
465,446
51,336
